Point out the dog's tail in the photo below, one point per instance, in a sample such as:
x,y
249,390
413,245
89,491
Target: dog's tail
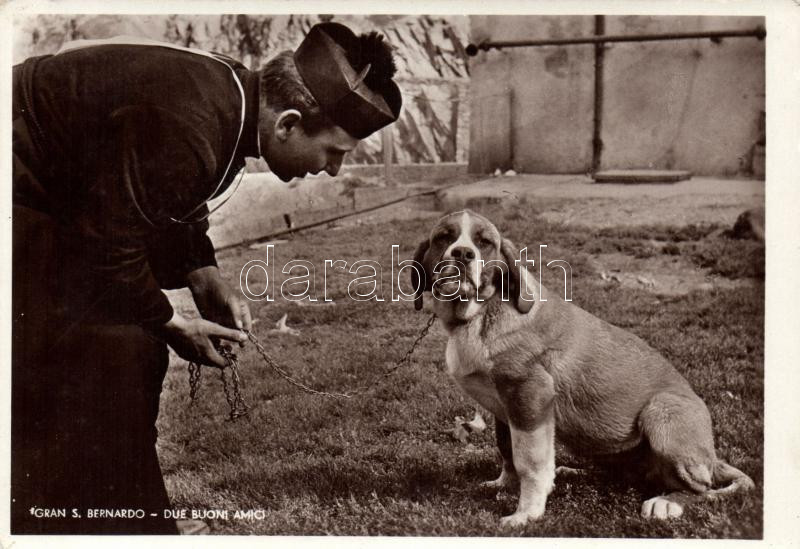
x,y
727,480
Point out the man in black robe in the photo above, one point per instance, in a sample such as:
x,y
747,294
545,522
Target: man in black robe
x,y
117,147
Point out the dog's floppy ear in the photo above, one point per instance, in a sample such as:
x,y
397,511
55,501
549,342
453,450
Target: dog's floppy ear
x,y
514,276
423,283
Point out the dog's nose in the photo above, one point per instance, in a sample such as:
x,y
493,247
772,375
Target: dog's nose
x,y
463,253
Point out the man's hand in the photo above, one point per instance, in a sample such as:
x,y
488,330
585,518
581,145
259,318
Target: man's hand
x,y
194,339
216,301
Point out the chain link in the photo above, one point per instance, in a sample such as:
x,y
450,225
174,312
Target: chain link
x,y
194,381
411,350
233,387
281,372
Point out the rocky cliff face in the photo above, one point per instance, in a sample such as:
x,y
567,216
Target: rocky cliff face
x,y
432,67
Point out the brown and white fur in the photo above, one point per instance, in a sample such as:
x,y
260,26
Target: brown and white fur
x,y
548,369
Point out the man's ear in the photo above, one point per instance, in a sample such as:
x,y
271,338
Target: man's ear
x,y
421,282
286,122
515,276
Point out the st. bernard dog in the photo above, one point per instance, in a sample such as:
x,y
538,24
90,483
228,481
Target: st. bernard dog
x,y
548,369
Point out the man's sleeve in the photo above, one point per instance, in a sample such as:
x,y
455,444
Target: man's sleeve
x,y
176,251
153,167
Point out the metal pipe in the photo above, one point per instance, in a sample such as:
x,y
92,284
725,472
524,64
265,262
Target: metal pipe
x,y
291,230
599,66
716,36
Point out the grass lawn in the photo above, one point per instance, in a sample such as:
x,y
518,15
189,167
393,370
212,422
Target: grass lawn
x,y
385,463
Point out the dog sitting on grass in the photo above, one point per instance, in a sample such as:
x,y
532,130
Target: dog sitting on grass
x,y
548,369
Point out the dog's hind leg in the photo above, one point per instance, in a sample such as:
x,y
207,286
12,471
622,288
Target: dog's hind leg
x,y
508,476
678,428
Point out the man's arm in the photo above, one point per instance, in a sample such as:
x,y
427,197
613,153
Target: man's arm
x,y
183,255
152,169
216,300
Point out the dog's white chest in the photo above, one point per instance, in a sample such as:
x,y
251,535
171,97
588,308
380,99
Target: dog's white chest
x,y
469,367
463,358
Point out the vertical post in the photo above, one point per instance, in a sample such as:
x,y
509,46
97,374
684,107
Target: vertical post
x,y
509,164
454,106
599,59
387,141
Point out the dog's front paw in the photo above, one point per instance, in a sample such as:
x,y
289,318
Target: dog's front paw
x,y
505,479
661,508
517,520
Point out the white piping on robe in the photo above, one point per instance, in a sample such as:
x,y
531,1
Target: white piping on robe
x,y
140,41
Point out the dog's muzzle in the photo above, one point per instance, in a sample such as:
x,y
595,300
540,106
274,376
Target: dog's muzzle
x,y
453,279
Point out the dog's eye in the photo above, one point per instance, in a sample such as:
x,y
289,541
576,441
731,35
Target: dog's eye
x,y
484,242
443,235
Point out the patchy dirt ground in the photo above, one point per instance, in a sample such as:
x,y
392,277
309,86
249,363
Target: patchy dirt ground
x,y
662,275
576,200
703,205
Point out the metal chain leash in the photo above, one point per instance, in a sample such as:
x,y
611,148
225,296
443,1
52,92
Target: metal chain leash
x,y
411,350
281,372
232,389
194,381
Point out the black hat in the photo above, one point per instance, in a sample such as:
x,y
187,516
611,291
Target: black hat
x,y
350,77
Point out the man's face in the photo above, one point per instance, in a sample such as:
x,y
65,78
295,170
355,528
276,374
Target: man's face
x,y
300,154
